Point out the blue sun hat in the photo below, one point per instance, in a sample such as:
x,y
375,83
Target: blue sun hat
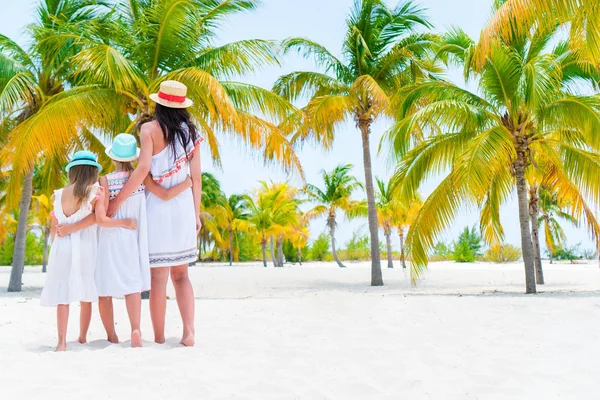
x,y
84,157
124,148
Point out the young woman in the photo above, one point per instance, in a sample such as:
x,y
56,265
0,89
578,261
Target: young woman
x,y
169,151
72,261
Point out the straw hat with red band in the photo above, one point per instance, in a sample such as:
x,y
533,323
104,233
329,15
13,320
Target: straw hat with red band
x,y
172,94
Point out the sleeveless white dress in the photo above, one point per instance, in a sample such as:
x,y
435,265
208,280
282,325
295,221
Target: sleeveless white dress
x,y
122,264
172,223
72,261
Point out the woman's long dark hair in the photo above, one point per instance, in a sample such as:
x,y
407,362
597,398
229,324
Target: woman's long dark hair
x,y
171,122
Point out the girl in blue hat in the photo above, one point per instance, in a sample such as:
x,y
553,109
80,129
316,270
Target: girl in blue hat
x,y
72,261
123,267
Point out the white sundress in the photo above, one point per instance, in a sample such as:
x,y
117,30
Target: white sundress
x,y
172,223
72,261
122,263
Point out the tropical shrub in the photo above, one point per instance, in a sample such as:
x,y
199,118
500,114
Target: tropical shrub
x,y
502,253
440,252
467,247
319,249
357,248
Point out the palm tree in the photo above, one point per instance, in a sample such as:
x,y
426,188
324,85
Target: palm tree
x,y
551,209
153,41
513,18
386,209
232,217
404,217
382,53
339,186
46,107
526,112
394,213
272,214
212,195
299,235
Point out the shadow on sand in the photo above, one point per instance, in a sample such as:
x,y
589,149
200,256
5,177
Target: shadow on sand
x,y
101,344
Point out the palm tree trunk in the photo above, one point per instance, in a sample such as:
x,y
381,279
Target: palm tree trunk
x,y
376,277
273,255
45,254
230,248
18,264
388,239
535,237
526,245
263,247
402,256
280,251
299,255
333,251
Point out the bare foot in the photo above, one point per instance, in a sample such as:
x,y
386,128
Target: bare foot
x,y
159,340
136,338
61,347
114,339
82,339
188,340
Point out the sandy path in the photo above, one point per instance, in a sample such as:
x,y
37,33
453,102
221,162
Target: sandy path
x,y
318,332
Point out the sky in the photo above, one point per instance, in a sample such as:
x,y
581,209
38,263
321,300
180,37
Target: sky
x,y
324,22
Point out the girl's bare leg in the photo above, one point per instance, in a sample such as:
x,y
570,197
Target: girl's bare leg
x,y
186,302
62,319
105,306
84,321
134,310
158,301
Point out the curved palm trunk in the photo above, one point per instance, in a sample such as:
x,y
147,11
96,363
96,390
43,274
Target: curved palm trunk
x,y
16,274
526,245
273,255
388,239
365,130
46,246
535,237
263,247
402,256
333,250
230,248
300,255
280,251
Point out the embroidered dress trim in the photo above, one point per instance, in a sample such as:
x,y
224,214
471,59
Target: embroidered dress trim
x,y
174,256
178,164
117,180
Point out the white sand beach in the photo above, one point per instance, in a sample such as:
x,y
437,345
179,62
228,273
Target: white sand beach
x,y
319,332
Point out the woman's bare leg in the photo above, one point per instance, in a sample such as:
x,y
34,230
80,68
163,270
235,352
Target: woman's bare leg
x,y
62,320
158,301
105,306
85,317
186,302
134,310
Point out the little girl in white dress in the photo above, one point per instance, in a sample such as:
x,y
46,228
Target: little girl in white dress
x,y
72,261
123,267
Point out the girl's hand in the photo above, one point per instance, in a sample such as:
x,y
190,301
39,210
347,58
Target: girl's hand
x,y
188,180
129,223
198,224
63,230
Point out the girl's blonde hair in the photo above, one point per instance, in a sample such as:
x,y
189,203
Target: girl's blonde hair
x,y
124,165
82,177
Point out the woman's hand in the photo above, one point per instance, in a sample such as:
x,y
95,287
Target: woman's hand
x,y
198,224
188,180
129,223
113,207
63,230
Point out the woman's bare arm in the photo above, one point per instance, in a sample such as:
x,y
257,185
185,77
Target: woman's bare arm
x,y
164,193
196,172
138,175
